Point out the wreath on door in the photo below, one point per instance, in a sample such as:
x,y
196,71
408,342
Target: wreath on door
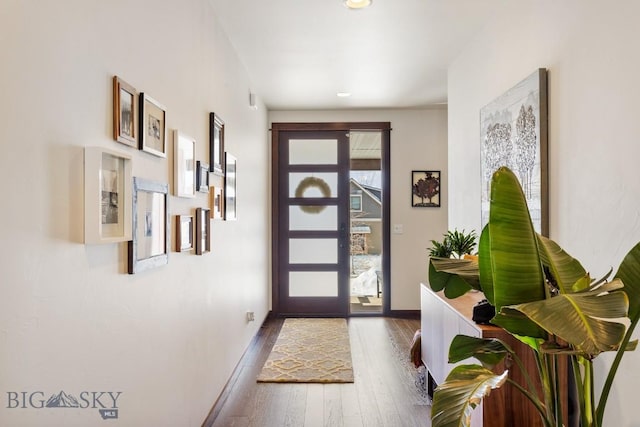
x,y
313,182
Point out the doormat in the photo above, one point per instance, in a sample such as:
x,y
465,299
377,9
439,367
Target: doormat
x,y
310,351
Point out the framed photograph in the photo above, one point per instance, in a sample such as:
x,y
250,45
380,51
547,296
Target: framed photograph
x,y
203,231
217,202
149,246
230,173
107,196
125,113
184,233
184,171
153,126
513,133
425,189
216,144
202,177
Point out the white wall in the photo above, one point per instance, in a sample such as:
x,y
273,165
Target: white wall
x,y
70,317
418,142
591,52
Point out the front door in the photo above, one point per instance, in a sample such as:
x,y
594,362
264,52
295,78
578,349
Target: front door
x,y
312,223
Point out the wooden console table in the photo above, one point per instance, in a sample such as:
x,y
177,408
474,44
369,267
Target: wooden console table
x,y
441,320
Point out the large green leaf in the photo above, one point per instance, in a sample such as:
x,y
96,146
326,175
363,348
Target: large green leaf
x,y
456,287
511,320
515,261
437,280
554,348
565,269
453,285
484,265
586,320
455,276
489,351
629,272
461,266
460,393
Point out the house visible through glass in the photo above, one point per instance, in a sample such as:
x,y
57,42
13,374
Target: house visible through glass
x,y
366,200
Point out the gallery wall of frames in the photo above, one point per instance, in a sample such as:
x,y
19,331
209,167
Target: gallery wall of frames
x,y
120,207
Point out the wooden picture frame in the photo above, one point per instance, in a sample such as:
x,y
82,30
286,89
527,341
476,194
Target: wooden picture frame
x,y
230,175
203,231
513,133
202,177
125,113
153,126
217,203
425,189
107,196
149,246
184,233
184,161
216,144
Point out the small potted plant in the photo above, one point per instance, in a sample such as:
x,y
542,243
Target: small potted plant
x,y
455,244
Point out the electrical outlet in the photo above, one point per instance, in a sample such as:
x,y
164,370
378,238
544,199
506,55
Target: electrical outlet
x,y
398,229
251,316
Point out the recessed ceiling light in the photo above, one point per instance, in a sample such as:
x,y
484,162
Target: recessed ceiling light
x,y
357,4
343,94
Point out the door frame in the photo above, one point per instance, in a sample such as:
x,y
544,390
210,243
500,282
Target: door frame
x,y
385,130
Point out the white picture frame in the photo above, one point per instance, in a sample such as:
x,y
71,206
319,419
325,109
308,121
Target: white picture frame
x,y
107,196
184,161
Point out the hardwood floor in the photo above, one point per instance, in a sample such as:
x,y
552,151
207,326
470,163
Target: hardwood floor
x,y
384,392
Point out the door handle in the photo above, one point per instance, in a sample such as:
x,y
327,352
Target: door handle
x,y
342,235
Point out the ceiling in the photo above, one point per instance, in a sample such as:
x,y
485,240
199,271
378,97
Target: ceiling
x,y
394,54
365,144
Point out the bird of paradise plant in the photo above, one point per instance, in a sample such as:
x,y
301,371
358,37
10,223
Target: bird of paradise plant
x,y
546,299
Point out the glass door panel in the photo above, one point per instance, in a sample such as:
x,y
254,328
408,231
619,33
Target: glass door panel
x,y
313,284
313,251
366,223
313,151
302,219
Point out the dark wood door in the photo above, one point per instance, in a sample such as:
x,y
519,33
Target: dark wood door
x,y
312,223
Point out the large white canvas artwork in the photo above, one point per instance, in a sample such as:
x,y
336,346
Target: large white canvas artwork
x,y
513,133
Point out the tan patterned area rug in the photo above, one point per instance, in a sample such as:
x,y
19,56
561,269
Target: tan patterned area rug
x,y
310,351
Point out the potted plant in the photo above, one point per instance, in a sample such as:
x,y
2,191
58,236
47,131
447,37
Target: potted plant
x,y
455,244
546,299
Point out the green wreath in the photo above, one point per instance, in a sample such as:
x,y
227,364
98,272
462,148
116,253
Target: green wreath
x,y
311,182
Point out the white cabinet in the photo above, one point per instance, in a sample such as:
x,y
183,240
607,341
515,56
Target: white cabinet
x,y
440,323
